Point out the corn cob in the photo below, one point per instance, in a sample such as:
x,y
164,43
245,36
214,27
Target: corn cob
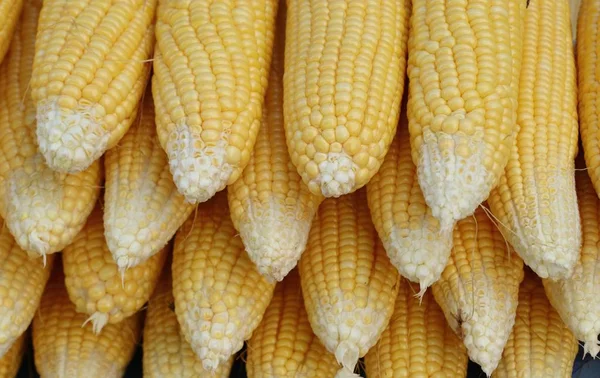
x,y
143,209
464,59
348,283
588,89
418,341
10,11
210,75
284,345
478,290
411,235
166,353
65,349
93,280
540,344
344,78
535,202
11,361
89,72
270,205
220,297
576,298
43,209
22,282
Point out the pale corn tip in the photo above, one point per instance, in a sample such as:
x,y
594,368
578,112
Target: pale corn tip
x,y
410,251
346,373
33,194
130,235
274,237
199,170
213,336
336,175
483,335
591,346
69,140
347,330
550,245
453,185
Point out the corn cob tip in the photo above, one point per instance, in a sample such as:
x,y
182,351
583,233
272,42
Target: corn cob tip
x,y
409,257
70,141
591,346
453,185
199,169
207,347
556,263
346,373
274,237
99,320
335,177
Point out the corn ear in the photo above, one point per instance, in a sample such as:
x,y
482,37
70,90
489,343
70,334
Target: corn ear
x,y
94,282
22,282
220,297
63,348
42,208
211,66
479,288
284,344
540,344
142,207
270,205
89,72
418,341
535,202
575,298
464,61
411,235
166,353
344,78
348,283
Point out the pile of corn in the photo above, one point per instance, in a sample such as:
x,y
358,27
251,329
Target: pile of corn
x,y
196,175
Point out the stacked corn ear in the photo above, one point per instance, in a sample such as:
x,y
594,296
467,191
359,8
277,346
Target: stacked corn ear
x,y
270,205
22,282
142,207
418,341
89,72
540,344
575,298
344,78
478,290
535,203
63,348
211,66
94,282
284,344
348,283
463,72
166,353
411,235
220,297
43,209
